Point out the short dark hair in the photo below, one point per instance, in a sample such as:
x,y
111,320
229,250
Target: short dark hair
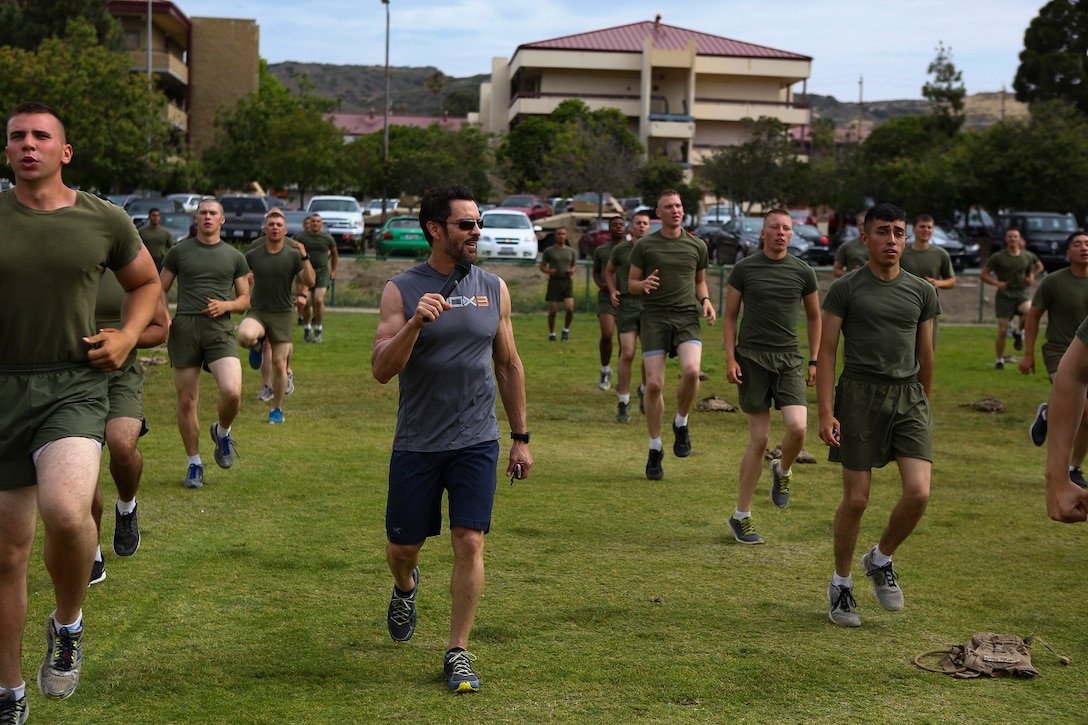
x,y
154,209
886,213
668,192
435,205
923,218
275,213
33,107
777,211
1074,235
642,212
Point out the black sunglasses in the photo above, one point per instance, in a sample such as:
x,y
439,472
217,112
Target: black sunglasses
x,y
464,225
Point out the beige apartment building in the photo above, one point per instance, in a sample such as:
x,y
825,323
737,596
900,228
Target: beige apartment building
x,y
200,64
684,92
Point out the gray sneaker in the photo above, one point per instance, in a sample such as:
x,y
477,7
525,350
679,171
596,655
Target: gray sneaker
x,y
13,711
844,610
224,447
622,416
780,485
885,587
58,677
266,393
290,384
401,617
606,381
744,531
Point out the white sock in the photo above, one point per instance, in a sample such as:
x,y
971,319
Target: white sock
x,y
126,507
19,692
879,558
843,581
606,369
566,329
221,431
98,554
78,624
680,421
655,444
196,459
738,514
625,398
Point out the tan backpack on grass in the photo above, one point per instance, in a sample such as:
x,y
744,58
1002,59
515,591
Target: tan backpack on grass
x,y
996,655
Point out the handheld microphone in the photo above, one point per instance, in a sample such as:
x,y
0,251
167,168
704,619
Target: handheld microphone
x,y
459,272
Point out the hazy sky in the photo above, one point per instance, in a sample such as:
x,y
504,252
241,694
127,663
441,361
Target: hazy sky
x,y
889,43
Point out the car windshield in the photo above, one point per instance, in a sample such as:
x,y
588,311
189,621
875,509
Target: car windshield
x,y
146,205
334,205
507,221
402,224
242,206
751,224
1051,224
517,201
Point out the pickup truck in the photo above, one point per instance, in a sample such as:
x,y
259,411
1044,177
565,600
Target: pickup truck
x,y
343,219
244,217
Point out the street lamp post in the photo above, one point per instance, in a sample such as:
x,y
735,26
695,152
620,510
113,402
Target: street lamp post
x,y
385,123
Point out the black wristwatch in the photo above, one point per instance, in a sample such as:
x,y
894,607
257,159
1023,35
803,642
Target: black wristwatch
x,y
306,257
523,437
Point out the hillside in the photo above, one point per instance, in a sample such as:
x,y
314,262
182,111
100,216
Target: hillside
x,y
362,88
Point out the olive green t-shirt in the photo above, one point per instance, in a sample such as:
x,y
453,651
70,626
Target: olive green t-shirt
x,y
880,321
600,260
273,276
772,290
107,310
560,259
1064,298
1012,270
852,254
157,241
319,247
621,258
676,261
930,262
204,271
51,263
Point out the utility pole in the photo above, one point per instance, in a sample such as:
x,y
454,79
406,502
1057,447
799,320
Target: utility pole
x,y
861,88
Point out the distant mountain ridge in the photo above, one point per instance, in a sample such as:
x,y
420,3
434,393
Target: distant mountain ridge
x,y
361,88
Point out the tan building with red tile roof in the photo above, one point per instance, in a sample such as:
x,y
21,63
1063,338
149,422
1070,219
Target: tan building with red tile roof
x,y
683,91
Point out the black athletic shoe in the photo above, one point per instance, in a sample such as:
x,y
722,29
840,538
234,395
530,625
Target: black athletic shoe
x,y
1017,340
401,617
13,711
999,365
126,533
622,416
654,470
98,574
457,667
1076,475
1038,426
681,447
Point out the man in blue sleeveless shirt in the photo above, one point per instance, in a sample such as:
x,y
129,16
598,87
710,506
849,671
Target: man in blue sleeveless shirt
x,y
447,432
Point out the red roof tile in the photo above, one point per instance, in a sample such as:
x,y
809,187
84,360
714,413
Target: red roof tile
x,y
629,38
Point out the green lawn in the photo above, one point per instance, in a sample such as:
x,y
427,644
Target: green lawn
x,y
261,598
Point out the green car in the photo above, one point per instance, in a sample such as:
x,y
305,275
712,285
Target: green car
x,y
402,235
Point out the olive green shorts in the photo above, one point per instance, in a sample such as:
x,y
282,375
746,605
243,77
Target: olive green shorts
x,y
770,377
663,330
324,277
40,407
126,388
629,313
880,421
1007,302
278,326
197,340
559,289
604,303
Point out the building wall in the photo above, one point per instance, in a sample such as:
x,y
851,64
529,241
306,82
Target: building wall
x,y
224,67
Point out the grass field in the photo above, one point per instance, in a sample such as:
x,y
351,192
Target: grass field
x,y
261,598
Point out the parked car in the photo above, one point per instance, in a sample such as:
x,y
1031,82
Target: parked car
x,y
374,207
595,235
139,208
507,234
343,219
180,224
592,203
532,206
1044,234
719,213
740,235
802,216
189,201
401,235
712,234
244,217
818,251
294,220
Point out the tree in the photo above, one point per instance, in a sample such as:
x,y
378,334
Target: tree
x,y
659,174
461,102
113,121
946,92
436,83
278,140
761,171
26,24
1053,62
